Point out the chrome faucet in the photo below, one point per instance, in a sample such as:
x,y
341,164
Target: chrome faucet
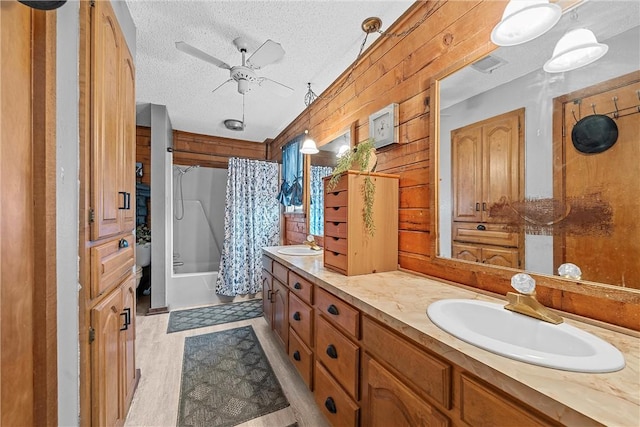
x,y
525,302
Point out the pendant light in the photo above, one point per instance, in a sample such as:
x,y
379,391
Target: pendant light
x,y
524,20
309,145
575,49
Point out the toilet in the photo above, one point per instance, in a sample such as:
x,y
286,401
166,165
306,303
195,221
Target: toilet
x,y
143,259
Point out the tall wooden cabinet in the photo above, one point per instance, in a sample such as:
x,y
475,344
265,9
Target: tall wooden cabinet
x,y
108,296
487,168
348,248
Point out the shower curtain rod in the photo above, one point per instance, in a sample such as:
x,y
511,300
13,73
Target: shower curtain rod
x,y
173,150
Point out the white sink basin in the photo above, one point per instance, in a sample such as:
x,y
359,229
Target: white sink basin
x,y
491,327
301,250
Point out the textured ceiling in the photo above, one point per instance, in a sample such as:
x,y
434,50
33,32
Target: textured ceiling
x,y
321,39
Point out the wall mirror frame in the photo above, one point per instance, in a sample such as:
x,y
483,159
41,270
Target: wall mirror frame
x,y
590,299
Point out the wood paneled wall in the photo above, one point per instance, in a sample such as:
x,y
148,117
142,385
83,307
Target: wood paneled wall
x,y
143,155
402,70
213,151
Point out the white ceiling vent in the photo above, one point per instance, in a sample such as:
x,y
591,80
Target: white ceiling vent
x,y
488,64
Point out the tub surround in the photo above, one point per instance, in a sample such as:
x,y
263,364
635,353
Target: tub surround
x,y
400,299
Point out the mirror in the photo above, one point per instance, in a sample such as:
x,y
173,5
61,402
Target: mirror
x,y
510,81
322,164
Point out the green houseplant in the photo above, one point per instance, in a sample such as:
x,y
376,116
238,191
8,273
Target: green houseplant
x,y
362,156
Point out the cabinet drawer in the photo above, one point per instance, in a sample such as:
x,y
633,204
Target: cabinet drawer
x,y
336,198
301,319
333,402
488,234
267,263
280,272
341,185
335,229
426,372
110,263
336,244
339,355
301,287
302,358
335,260
336,214
338,312
481,405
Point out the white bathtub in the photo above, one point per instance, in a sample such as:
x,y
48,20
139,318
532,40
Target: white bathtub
x,y
192,290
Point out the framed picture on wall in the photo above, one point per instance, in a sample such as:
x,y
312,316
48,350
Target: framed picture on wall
x,y
383,126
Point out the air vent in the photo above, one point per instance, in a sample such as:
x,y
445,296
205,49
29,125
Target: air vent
x,y
488,64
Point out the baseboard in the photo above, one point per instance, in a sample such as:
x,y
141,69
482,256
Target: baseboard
x,y
157,310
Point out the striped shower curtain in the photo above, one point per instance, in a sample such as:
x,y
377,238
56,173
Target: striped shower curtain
x,y
251,221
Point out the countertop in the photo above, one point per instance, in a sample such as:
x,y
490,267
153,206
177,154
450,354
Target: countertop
x,y
400,299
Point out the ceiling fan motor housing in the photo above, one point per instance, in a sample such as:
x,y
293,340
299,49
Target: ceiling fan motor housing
x,y
244,76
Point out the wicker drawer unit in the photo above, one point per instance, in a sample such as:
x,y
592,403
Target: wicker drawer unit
x,y
349,249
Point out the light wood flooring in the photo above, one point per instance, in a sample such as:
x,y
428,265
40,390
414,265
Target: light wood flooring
x,y
159,358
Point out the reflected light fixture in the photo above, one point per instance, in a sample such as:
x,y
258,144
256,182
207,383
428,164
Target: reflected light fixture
x,y
343,149
524,20
575,49
309,145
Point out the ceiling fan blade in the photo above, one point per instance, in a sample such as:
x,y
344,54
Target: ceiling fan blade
x,y
275,87
266,54
219,86
188,49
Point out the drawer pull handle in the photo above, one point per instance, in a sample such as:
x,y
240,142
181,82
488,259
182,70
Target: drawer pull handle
x,y
477,207
269,294
484,206
335,208
297,285
332,309
336,223
335,193
124,200
296,355
481,227
331,352
330,405
335,253
335,238
296,316
123,243
127,319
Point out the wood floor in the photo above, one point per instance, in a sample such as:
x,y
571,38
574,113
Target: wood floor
x,y
159,357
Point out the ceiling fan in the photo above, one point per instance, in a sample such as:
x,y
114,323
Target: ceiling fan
x,y
244,74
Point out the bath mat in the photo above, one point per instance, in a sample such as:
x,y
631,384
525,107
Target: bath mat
x,y
227,380
213,315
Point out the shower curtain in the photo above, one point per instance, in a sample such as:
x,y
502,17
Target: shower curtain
x,y
316,214
251,221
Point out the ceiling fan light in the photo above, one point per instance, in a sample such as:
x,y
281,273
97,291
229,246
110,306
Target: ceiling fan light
x,y
309,147
575,49
524,20
243,86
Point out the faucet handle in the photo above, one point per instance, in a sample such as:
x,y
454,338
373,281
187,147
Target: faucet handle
x,y
523,283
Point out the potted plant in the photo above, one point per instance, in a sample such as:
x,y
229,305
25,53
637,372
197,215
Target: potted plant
x,y
362,157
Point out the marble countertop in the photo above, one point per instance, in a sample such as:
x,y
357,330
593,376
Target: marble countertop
x,y
400,299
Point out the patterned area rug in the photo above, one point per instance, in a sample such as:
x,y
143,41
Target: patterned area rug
x,y
213,315
227,380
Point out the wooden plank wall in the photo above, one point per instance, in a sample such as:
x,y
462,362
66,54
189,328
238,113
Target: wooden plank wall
x,y
402,70
213,151
143,155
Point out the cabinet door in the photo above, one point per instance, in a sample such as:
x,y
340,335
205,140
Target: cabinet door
x,y
267,298
389,402
128,337
466,152
466,252
128,140
105,73
280,312
500,162
107,319
504,257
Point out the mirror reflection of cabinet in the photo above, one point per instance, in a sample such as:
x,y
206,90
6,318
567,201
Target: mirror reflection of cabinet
x,y
487,166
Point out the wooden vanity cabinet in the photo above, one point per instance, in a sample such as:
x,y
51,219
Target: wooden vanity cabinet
x,y
348,248
301,326
275,299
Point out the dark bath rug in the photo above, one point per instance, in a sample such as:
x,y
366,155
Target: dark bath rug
x,y
227,380
213,315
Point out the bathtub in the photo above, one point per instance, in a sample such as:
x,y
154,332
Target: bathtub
x,y
192,290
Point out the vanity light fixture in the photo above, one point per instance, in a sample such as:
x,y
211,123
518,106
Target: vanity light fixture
x,y
309,145
524,20
575,49
343,149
